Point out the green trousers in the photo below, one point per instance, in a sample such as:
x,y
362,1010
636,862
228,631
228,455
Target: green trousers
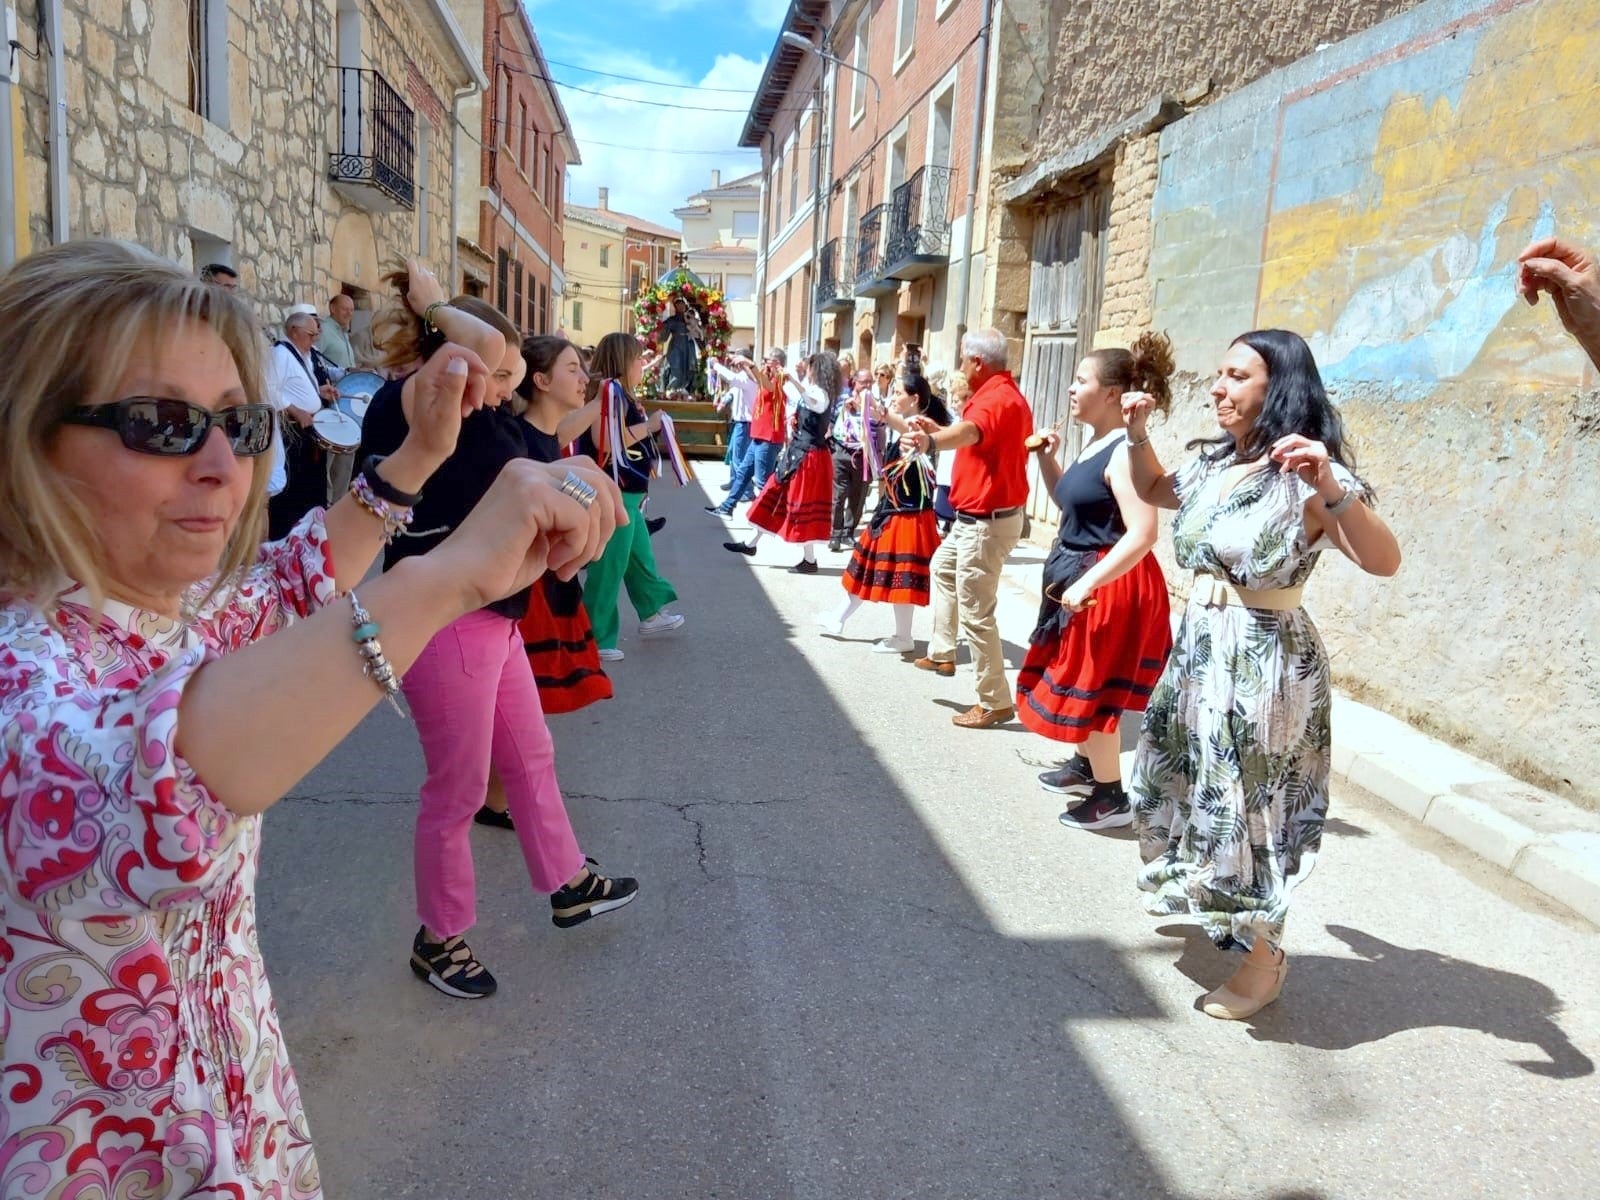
x,y
627,560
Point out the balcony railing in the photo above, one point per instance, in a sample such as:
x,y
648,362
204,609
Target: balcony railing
x,y
870,280
375,164
919,225
833,276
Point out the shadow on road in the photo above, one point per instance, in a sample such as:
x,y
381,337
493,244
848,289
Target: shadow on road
x,y
810,999
1341,1003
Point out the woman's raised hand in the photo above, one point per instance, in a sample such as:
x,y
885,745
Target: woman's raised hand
x,y
526,525
423,289
1307,459
1136,410
450,386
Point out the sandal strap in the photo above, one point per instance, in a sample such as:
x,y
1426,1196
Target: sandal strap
x,y
452,958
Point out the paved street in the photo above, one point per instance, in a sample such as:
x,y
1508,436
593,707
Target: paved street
x,y
867,961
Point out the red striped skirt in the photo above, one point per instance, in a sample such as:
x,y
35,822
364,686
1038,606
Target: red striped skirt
x,y
800,510
561,647
1104,663
891,565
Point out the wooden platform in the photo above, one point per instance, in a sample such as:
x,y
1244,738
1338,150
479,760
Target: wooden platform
x,y
702,430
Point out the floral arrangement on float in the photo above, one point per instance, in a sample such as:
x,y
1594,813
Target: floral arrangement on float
x,y
652,310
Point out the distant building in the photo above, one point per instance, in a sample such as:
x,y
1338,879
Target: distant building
x,y
510,221
721,232
610,258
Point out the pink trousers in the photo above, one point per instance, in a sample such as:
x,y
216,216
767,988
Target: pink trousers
x,y
472,695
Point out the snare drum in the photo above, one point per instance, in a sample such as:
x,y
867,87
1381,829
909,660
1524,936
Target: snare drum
x,y
336,431
356,390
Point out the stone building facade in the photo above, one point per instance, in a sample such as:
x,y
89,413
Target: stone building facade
x,y
1365,175
208,130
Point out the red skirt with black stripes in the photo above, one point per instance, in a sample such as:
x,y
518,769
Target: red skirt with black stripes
x,y
891,565
1105,661
561,648
801,509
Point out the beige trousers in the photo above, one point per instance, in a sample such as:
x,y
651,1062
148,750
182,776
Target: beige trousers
x,y
966,581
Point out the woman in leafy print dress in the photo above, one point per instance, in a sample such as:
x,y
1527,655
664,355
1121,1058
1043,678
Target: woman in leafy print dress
x,y
1230,780
164,679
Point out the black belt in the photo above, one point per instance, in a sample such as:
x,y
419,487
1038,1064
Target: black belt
x,y
999,514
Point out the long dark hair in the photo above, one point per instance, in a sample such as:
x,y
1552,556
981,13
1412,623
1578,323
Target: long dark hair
x,y
1296,403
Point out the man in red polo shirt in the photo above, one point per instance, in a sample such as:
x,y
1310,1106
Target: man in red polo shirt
x,y
988,491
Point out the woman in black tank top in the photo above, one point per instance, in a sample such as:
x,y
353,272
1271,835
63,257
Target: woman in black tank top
x,y
1104,631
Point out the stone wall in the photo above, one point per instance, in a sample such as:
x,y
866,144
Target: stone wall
x,y
1373,197
144,167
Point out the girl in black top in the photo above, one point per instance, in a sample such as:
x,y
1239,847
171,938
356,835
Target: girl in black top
x,y
889,564
471,691
627,451
1104,631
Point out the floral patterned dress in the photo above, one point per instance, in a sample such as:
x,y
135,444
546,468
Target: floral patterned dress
x,y
140,1054
1230,779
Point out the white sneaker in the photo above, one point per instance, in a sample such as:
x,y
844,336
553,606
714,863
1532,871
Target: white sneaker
x,y
891,645
662,622
611,655
831,625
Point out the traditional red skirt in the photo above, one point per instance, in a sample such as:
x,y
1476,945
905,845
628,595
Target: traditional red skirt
x,y
800,510
561,647
890,566
1104,662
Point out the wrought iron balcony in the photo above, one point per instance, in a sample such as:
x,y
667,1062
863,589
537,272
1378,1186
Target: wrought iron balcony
x,y
375,164
870,278
919,225
833,277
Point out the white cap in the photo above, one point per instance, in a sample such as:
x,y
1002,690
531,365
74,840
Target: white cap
x,y
309,310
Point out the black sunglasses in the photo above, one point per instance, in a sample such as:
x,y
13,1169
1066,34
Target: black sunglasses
x,y
152,425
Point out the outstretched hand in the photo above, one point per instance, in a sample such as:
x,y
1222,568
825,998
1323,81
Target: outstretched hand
x,y
1136,410
422,288
1571,276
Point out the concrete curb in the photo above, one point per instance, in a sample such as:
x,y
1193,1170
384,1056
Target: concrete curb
x,y
1548,843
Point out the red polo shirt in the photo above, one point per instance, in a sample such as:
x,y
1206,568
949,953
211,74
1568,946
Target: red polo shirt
x,y
994,473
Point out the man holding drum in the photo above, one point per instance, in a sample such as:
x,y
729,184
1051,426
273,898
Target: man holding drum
x,y
300,456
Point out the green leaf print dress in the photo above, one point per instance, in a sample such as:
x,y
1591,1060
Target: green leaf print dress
x,y
1230,780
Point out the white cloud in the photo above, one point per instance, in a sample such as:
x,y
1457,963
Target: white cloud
x,y
643,182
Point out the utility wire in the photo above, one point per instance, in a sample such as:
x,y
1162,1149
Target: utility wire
x,y
572,87
684,87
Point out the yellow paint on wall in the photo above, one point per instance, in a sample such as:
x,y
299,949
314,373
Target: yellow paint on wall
x,y
1522,135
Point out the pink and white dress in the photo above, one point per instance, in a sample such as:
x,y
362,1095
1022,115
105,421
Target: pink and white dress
x,y
140,1054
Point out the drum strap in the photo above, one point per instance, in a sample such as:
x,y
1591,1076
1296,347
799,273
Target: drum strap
x,y
303,366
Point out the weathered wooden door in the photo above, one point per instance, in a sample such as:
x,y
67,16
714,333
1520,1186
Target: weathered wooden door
x,y
1064,290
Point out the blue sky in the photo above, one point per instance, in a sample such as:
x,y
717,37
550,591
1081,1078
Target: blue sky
x,y
704,43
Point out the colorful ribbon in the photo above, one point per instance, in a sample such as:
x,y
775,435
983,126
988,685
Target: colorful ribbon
x,y
674,452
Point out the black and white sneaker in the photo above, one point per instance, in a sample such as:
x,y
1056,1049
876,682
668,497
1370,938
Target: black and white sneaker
x,y
1074,779
1106,808
451,967
594,896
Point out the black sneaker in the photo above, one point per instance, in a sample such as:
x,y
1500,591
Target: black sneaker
x,y
835,544
1074,779
595,895
1106,808
740,548
494,820
451,967
804,567
655,525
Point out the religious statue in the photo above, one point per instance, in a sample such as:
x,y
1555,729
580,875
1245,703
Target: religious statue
x,y
683,336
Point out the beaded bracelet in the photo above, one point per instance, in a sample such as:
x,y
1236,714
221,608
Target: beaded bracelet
x,y
427,315
375,667
394,517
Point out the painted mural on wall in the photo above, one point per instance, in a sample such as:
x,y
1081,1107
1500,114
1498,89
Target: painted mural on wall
x,y
1395,179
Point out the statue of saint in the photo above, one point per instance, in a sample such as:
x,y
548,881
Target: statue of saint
x,y
683,336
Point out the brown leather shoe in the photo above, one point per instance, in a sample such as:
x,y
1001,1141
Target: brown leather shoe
x,y
941,668
979,717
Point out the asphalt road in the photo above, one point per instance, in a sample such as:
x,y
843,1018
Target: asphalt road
x,y
867,961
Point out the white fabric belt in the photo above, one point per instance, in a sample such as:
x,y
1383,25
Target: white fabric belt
x,y
1217,593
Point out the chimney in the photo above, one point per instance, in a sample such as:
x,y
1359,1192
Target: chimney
x,y
716,178
605,199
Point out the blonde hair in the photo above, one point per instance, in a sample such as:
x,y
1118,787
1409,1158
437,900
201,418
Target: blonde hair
x,y
958,387
70,317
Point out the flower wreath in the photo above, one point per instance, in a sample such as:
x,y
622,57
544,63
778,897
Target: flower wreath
x,y
653,308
